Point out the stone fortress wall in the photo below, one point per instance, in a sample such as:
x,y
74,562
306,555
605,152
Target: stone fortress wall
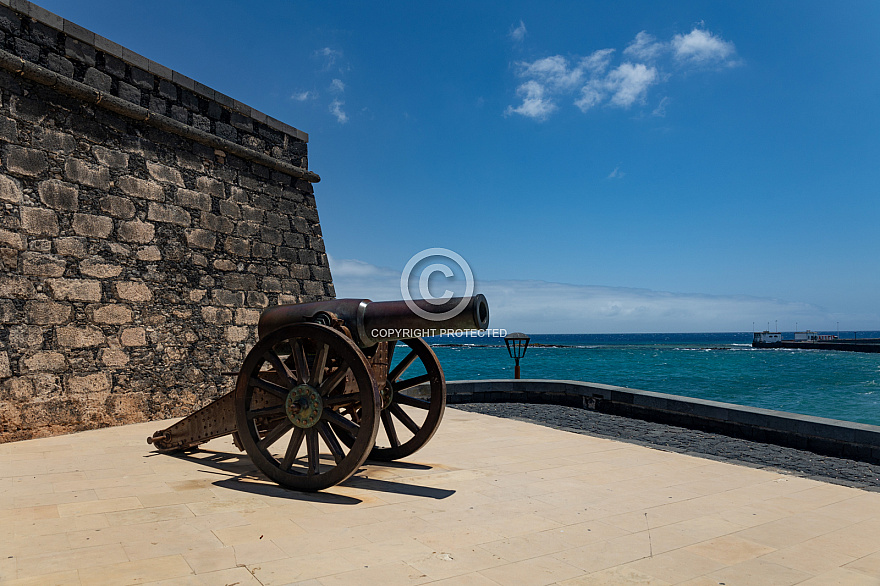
x,y
145,221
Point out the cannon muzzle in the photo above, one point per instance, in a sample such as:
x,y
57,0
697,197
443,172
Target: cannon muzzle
x,y
381,321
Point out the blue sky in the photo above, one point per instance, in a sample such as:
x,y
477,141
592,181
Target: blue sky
x,y
686,166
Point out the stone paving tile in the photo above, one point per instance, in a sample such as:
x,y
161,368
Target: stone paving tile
x,y
488,501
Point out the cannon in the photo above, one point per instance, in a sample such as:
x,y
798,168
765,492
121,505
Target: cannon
x,y
321,391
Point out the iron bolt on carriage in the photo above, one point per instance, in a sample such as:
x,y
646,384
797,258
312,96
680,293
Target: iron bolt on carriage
x,y
313,393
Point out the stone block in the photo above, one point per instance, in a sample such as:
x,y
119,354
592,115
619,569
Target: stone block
x,y
141,188
79,51
47,312
240,282
5,370
165,174
25,161
110,158
92,226
252,214
136,231
28,51
118,207
217,223
230,209
71,246
247,317
39,221
129,93
113,358
42,265
43,361
272,284
228,298
92,385
113,314
98,80
169,214
16,286
313,288
158,105
12,240
237,246
8,129
60,65
277,221
75,289
8,258
257,299
49,139
193,199
237,333
8,312
59,195
142,79
223,264
262,250
133,337
132,291
210,186
216,315
198,238
149,254
79,337
99,268
167,90
270,236
202,123
79,171
180,114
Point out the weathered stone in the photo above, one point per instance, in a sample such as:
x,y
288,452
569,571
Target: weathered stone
x,y
257,299
110,158
75,289
313,288
79,337
25,161
149,254
42,265
193,199
133,291
43,362
129,93
277,221
247,317
166,174
237,333
141,188
240,282
210,186
222,264
97,79
9,314
237,246
12,240
71,246
51,140
118,207
39,221
92,226
198,238
114,314
217,223
133,337
196,295
228,298
169,214
9,190
216,315
15,286
79,171
262,250
113,357
230,209
93,385
47,312
99,268
136,231
8,129
5,370
59,195
251,214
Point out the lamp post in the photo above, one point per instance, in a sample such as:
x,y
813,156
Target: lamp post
x,y
516,343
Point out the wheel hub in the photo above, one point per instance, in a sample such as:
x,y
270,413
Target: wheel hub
x,y
387,393
303,406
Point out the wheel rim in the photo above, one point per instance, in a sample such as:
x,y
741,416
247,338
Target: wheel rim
x,y
409,421
300,388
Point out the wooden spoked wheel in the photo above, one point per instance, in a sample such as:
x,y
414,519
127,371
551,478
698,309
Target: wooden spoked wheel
x,y
413,400
301,388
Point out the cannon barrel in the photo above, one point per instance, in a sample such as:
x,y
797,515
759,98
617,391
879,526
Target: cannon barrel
x,y
380,321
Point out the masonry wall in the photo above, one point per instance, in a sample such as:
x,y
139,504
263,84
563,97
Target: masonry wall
x,y
145,221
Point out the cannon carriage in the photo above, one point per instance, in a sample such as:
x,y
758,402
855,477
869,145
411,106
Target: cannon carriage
x,y
321,392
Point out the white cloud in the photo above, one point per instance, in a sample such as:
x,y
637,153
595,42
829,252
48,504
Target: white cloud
x,y
645,47
336,109
328,56
337,85
591,81
617,173
544,307
518,33
303,96
700,47
535,104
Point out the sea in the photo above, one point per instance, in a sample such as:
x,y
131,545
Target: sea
x,y
715,366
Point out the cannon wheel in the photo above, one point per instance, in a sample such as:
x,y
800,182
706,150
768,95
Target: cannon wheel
x,y
397,393
301,388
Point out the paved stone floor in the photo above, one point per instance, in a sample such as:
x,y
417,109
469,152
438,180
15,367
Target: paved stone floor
x,y
488,501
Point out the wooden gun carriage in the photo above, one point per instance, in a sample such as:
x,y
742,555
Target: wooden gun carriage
x,y
315,391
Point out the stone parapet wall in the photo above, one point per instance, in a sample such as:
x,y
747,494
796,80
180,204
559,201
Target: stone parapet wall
x,y
145,221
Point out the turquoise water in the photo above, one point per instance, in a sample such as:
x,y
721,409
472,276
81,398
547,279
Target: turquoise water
x,y
719,367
